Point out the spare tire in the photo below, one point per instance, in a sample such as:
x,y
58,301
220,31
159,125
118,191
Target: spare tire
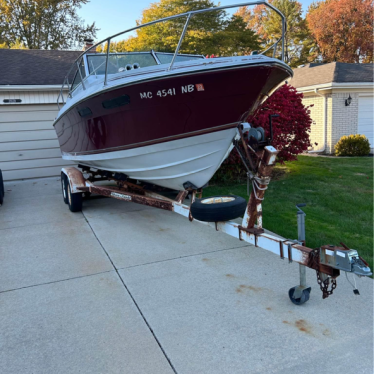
x,y
2,189
218,208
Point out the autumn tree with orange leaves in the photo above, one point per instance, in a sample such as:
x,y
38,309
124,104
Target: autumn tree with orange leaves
x,y
343,29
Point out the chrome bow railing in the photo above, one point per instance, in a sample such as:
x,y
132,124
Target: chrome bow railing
x,y
188,15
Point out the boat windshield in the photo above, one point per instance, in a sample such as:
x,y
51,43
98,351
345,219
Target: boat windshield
x,y
96,62
166,58
120,62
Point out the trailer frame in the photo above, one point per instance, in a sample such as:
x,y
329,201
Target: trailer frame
x,y
250,230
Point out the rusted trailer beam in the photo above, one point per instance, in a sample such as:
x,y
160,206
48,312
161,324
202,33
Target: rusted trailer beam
x,y
255,236
279,246
119,194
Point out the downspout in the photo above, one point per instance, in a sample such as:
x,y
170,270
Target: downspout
x,y
324,123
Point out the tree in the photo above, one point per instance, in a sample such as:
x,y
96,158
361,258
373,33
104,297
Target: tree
x,y
299,46
343,29
207,33
16,45
43,24
236,38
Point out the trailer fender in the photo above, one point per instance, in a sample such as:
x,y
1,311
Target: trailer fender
x,y
75,178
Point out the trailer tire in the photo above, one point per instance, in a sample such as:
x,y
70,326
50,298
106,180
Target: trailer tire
x,y
2,188
74,200
64,183
218,208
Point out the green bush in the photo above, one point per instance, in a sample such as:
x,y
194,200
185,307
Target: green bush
x,y
352,145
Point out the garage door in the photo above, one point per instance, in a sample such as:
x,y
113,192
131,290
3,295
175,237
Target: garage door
x,y
28,142
365,118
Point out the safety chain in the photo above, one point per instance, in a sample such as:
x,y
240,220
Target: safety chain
x,y
323,284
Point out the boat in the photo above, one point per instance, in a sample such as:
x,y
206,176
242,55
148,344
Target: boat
x,y
167,119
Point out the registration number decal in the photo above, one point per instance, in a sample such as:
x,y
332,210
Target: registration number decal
x,y
172,91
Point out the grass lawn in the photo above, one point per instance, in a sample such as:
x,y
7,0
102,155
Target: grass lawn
x,y
339,197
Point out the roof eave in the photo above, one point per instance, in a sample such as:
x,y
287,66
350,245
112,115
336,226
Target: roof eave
x,y
335,85
30,87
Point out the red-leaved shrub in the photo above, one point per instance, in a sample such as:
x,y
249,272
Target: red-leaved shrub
x,y
290,131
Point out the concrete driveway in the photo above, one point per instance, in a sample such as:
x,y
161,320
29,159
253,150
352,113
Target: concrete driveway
x,y
124,288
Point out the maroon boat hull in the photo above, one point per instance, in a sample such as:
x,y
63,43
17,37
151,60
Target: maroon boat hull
x,y
165,109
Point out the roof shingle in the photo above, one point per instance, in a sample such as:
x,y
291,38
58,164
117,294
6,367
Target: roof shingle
x,y
35,66
337,72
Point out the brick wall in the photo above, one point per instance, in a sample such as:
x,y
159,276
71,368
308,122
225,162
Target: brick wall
x,y
340,119
344,118
317,114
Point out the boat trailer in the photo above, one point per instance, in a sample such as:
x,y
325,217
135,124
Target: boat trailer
x,y
259,159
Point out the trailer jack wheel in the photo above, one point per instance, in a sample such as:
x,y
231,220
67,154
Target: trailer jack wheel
x,y
298,296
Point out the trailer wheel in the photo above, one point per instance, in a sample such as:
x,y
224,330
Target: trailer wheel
x,y
2,189
302,299
74,200
218,208
64,183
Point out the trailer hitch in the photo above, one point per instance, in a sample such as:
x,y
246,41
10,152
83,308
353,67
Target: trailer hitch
x,y
344,258
340,258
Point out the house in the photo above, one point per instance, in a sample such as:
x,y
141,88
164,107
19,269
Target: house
x,y
342,95
30,81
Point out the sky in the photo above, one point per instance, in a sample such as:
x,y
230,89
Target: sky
x,y
113,16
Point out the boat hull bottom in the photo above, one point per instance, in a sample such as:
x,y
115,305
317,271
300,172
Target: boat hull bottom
x,y
170,164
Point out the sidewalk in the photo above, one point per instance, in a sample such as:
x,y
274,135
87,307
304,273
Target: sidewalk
x,y
125,288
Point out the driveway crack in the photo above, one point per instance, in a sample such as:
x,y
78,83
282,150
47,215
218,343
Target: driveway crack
x,y
131,296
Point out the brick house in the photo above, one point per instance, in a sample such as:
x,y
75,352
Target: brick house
x,y
328,87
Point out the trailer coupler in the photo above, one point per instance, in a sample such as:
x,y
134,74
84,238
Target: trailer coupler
x,y
344,258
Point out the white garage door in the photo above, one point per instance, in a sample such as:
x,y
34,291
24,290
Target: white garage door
x,y
365,118
28,142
